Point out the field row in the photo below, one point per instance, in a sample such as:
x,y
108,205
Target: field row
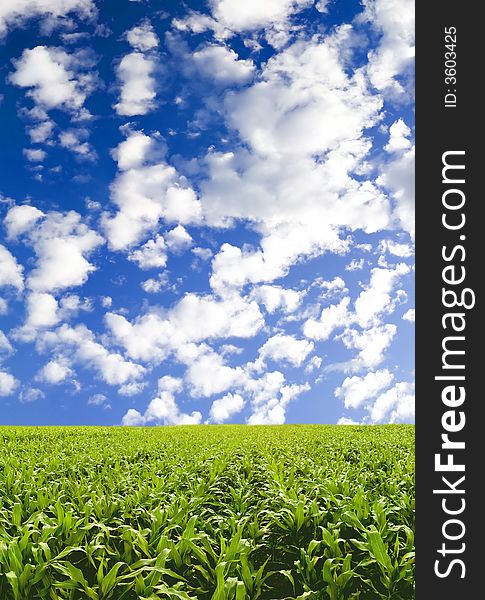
x,y
207,512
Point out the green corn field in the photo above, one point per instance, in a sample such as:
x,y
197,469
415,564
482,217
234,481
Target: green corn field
x,y
207,512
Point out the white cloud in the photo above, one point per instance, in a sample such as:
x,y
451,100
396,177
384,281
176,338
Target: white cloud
x,y
314,363
21,219
153,254
34,154
222,65
146,193
331,318
202,253
274,298
133,418
393,57
208,374
153,286
376,298
194,318
356,390
142,37
78,343
178,239
30,394
163,409
331,288
41,132
322,6
302,127
253,14
41,310
269,409
196,22
132,389
51,74
10,270
398,177
347,421
401,250
14,13
397,405
137,95
356,264
234,267
285,348
224,408
8,383
74,140
399,133
97,399
132,152
3,306
409,315
372,344
55,372
5,345
61,243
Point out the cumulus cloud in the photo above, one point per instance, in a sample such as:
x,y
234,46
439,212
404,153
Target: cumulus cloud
x,y
5,345
153,254
371,343
97,399
79,345
8,383
145,191
55,372
14,13
21,219
397,405
34,154
42,313
11,273
194,318
224,408
399,134
135,72
270,408
30,394
54,78
274,297
75,141
178,239
163,409
285,348
142,37
393,58
252,14
409,315
398,177
331,318
61,242
133,151
356,390
356,264
395,248
376,299
302,125
222,65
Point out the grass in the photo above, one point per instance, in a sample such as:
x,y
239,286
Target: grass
x,y
207,512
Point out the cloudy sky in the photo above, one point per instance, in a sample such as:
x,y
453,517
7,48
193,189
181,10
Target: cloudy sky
x,y
207,211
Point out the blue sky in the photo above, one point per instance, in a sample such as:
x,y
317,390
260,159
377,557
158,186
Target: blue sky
x,y
207,212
